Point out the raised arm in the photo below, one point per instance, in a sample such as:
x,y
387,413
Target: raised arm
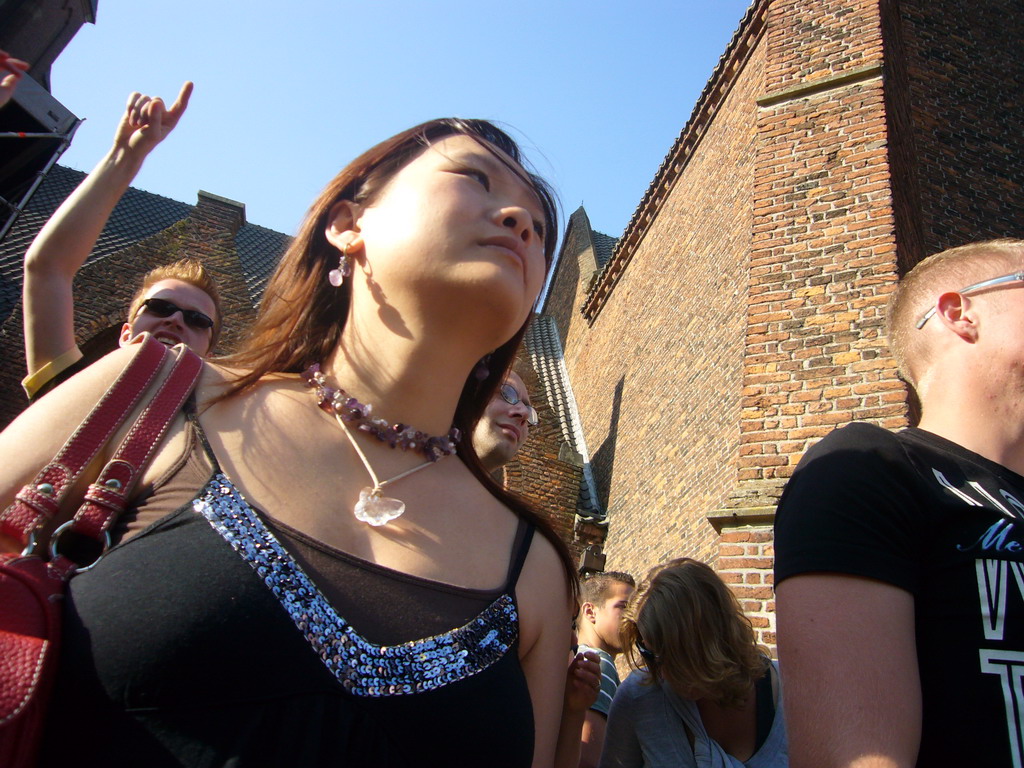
x,y
849,666
64,243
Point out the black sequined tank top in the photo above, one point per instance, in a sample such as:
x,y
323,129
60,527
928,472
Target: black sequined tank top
x,y
217,637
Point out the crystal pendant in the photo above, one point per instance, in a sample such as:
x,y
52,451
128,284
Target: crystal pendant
x,y
375,509
336,277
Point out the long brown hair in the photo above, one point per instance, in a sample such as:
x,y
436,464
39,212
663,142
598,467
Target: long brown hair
x,y
301,317
686,626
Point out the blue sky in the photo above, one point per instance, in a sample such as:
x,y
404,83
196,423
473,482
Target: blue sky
x,y
288,92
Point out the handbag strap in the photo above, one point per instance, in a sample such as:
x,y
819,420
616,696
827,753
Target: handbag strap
x,y
37,502
108,495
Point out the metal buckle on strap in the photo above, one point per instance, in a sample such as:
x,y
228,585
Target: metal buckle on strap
x,y
55,542
30,545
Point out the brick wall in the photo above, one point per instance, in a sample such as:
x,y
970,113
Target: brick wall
x,y
657,374
745,563
573,275
742,315
966,78
538,473
823,256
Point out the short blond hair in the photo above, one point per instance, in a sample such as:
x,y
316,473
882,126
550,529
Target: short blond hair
x,y
699,637
186,270
950,270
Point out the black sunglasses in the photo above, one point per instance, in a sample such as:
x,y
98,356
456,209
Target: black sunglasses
x,y
647,655
163,308
511,396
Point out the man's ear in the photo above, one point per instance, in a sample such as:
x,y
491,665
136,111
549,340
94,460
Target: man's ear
x,y
126,335
955,311
588,612
343,225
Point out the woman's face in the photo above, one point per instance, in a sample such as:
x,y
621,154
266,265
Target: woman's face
x,y
457,228
168,322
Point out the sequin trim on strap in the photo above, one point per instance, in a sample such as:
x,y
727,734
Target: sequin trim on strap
x,y
363,668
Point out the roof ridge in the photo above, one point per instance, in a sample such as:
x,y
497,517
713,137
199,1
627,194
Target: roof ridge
x,y
725,73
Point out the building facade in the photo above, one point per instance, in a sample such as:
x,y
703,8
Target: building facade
x,y
740,316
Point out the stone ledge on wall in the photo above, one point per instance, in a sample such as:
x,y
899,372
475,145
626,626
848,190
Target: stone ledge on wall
x,y
751,502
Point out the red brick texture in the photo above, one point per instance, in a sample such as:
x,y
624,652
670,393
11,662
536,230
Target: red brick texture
x,y
573,275
539,474
965,75
741,317
745,563
823,252
658,370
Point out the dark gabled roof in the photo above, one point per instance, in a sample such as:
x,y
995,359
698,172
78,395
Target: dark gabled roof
x,y
259,250
138,215
545,352
604,246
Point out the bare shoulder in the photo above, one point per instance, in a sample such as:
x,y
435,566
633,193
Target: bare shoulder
x,y
544,565
544,640
61,410
543,591
218,378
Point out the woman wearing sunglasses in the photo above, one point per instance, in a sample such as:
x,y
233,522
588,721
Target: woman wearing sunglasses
x,y
318,570
704,693
51,353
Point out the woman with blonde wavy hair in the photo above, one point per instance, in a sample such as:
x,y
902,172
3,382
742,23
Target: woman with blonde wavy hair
x,y
704,693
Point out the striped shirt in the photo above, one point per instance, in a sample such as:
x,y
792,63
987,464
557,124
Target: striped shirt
x,y
609,680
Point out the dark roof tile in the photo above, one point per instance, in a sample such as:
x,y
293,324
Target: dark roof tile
x,y
137,215
604,247
259,250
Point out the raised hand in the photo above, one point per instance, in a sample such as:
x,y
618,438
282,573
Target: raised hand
x,y
147,121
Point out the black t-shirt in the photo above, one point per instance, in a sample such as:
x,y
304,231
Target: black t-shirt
x,y
924,514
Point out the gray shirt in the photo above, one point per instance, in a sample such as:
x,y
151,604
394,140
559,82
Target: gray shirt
x,y
646,730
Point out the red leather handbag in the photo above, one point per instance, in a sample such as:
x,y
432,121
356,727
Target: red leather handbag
x,y
31,588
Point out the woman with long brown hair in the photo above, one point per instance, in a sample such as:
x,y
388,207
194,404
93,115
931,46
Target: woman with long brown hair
x,y
704,693
316,570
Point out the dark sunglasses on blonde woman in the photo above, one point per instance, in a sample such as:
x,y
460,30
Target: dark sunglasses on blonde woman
x,y
163,308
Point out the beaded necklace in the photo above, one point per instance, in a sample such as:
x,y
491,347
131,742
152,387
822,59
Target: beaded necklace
x,y
373,506
351,411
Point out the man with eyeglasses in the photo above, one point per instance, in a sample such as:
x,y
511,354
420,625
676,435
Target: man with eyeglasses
x,y
502,430
505,424
177,303
900,556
